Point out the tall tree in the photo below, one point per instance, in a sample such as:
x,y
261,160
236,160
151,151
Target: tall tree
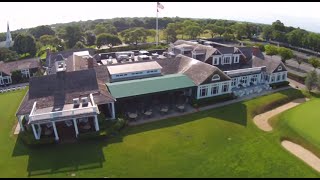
x,y
90,38
267,32
285,54
49,40
25,43
79,45
315,62
134,35
7,55
311,80
107,39
39,31
73,34
271,50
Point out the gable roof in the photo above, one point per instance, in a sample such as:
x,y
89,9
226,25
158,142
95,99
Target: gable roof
x,y
59,89
271,64
196,70
8,67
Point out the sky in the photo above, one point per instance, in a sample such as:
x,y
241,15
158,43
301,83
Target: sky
x,y
30,14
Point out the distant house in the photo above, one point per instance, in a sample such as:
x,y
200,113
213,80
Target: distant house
x,y
27,67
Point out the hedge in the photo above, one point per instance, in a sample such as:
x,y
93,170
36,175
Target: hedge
x,y
92,135
212,100
279,84
28,138
296,77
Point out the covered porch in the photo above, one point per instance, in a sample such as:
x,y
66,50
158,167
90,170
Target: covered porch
x,y
68,128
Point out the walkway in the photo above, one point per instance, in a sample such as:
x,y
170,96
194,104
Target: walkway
x,y
261,120
192,110
302,153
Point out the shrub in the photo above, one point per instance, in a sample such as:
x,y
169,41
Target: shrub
x,y
296,77
279,84
92,135
28,138
211,100
119,124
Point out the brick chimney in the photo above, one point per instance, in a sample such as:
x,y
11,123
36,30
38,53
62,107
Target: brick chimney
x,y
90,62
256,51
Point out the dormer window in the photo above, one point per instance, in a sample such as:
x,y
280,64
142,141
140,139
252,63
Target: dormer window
x,y
236,59
215,77
279,68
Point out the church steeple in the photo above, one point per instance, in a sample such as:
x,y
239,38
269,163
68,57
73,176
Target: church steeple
x,y
8,37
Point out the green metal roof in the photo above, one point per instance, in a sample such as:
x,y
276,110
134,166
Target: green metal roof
x,y
149,85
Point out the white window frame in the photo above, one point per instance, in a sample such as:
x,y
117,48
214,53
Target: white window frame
x,y
236,59
216,61
217,89
206,88
280,68
225,61
233,82
225,85
215,77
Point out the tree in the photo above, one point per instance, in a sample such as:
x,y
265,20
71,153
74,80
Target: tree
x,y
311,80
278,26
296,36
17,77
239,29
314,62
99,29
193,31
285,54
152,33
212,29
220,30
49,40
171,32
25,43
267,32
271,50
90,38
79,45
39,31
299,61
105,28
7,55
73,34
134,35
107,39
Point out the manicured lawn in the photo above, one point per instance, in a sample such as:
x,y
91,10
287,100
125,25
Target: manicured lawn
x,y
222,142
301,122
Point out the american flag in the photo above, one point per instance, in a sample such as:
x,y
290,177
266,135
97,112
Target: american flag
x,y
159,5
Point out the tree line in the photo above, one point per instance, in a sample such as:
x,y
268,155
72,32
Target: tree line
x,y
112,32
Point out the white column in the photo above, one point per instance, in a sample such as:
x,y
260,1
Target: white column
x,y
96,124
34,132
20,123
55,131
39,130
75,126
113,111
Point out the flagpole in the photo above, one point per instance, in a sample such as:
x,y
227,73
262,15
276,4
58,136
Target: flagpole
x,y
157,36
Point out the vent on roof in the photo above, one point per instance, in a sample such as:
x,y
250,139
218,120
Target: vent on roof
x,y
84,101
76,102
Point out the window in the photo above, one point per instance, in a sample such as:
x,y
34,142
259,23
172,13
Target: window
x,y
236,60
278,77
215,77
219,59
244,79
117,75
227,60
272,78
254,78
284,76
214,89
216,61
203,91
225,87
279,68
234,82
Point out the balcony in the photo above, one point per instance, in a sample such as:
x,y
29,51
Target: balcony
x,y
62,113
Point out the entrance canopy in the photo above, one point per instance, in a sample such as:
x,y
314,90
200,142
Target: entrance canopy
x,y
149,85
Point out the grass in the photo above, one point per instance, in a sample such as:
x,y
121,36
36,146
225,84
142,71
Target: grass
x,y
300,124
222,142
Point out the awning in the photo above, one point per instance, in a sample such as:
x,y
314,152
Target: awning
x,y
149,85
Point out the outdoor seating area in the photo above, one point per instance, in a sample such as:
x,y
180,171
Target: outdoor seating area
x,y
155,106
243,91
12,88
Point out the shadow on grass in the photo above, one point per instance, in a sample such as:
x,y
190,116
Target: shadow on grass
x,y
235,113
62,158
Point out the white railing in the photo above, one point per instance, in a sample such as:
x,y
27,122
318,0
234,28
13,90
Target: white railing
x,y
66,113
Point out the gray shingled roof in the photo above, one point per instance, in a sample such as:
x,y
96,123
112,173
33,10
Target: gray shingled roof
x,y
8,67
271,64
58,89
196,70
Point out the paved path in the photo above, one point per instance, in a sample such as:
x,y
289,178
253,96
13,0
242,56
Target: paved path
x,y
17,129
302,153
261,120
